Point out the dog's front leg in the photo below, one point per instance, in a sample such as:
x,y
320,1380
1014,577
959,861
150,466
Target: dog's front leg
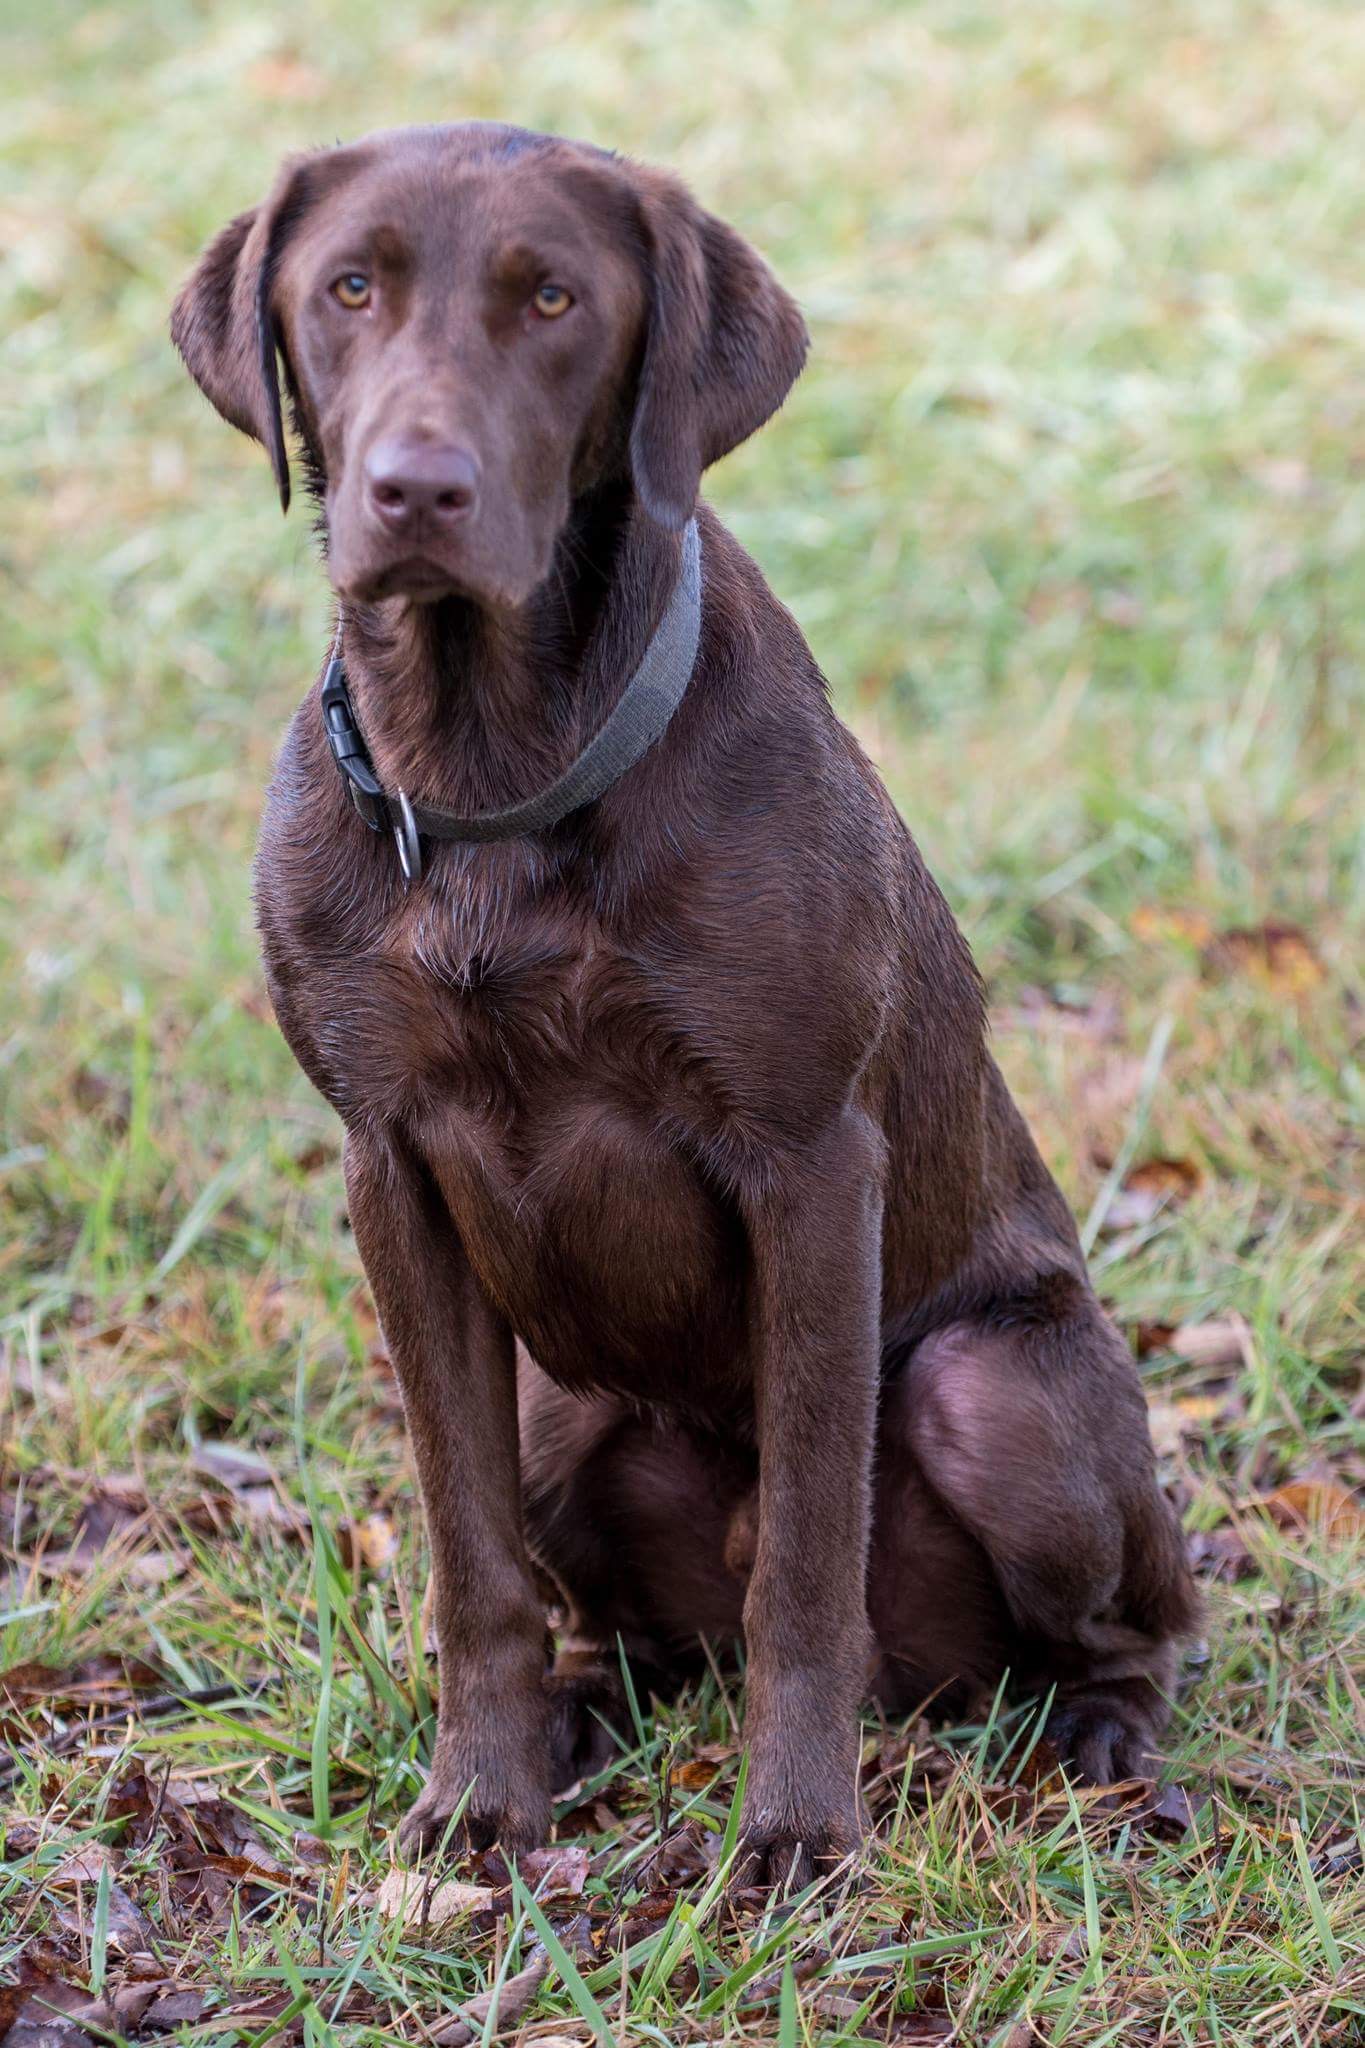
x,y
454,1359
816,1236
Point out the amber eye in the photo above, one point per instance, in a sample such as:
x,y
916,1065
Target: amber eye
x,y
352,291
551,300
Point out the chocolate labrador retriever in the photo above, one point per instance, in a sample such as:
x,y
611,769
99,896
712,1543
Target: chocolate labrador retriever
x,y
672,1137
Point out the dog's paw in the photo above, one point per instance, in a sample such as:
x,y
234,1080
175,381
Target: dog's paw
x,y
516,1817
585,1708
1104,1740
786,1856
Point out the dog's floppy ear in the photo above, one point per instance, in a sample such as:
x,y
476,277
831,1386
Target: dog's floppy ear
x,y
223,325
725,343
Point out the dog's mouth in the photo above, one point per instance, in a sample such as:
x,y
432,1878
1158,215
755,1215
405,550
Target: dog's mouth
x,y
417,577
421,579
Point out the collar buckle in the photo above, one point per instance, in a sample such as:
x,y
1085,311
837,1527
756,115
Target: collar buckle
x,y
406,839
349,750
638,720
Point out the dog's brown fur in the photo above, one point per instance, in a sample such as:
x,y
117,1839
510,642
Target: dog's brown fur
x,y
689,1096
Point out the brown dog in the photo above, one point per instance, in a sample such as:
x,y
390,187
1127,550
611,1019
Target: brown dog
x,y
689,1092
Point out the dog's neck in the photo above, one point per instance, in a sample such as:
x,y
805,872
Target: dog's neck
x,y
470,708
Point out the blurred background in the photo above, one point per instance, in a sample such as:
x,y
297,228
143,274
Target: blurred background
x,y
1071,505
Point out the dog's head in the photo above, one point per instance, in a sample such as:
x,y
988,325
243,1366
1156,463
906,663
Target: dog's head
x,y
477,324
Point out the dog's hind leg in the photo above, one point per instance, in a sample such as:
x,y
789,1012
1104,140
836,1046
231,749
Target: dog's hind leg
x,y
1031,1427
944,1636
629,1520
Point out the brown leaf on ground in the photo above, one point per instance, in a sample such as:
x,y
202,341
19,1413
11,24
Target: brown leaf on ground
x,y
1221,1341
98,1095
85,1864
132,1998
1220,1554
100,1681
1157,922
560,1871
233,1465
1149,1337
115,1516
684,1857
175,2006
1322,1505
413,1897
314,1157
512,2001
594,1817
703,1766
43,2011
645,1915
257,2013
1041,1769
1186,1419
1344,1856
1278,956
921,2029
263,1508
767,1989
1166,1811
73,1881
1150,1186
208,1850
370,1544
253,1490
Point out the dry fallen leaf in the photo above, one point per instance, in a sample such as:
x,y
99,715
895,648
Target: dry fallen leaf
x,y
314,1157
1220,1554
560,1869
1319,1504
263,1508
84,1865
1149,1187
411,1897
1223,1340
371,1543
1173,1422
1147,1336
1278,956
98,1681
1155,921
43,2011
1167,1811
693,1776
128,1928
115,1519
233,1465
176,2006
513,2000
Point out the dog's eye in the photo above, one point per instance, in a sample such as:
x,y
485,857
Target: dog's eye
x,y
352,291
551,300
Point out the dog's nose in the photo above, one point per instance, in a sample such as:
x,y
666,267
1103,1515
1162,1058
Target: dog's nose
x,y
412,481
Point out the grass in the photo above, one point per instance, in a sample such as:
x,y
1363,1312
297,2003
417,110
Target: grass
x,y
1070,504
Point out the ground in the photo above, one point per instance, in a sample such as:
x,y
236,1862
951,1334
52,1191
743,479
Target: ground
x,y
1070,505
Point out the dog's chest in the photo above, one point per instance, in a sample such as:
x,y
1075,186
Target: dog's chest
x,y
540,1067
507,1009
